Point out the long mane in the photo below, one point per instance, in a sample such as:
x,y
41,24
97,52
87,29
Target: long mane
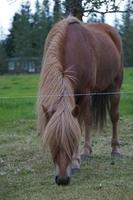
x,y
62,130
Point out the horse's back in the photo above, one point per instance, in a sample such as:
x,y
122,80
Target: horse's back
x,y
94,51
109,30
115,55
78,54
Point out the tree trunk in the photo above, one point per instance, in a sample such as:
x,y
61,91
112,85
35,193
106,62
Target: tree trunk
x,y
75,8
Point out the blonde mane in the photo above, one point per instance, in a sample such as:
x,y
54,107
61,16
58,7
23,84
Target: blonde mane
x,y
62,130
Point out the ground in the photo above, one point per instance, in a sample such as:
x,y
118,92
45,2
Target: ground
x,y
28,173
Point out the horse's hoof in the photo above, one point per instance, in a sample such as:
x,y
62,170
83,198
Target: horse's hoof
x,y
85,157
116,154
74,171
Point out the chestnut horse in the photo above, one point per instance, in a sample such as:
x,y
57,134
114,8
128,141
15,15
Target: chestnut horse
x,y
82,64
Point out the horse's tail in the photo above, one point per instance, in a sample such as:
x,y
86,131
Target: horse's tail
x,y
100,108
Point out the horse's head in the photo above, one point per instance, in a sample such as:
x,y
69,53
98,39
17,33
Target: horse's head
x,y
63,167
62,134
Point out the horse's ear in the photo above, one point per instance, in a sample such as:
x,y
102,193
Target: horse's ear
x,y
75,111
45,111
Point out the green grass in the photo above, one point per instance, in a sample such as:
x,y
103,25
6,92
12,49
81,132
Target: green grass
x,y
27,173
18,85
126,107
20,97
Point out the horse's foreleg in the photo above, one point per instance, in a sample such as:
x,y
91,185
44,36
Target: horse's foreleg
x,y
87,122
114,115
75,162
86,154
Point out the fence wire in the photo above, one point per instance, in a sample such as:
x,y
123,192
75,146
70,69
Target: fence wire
x,y
65,95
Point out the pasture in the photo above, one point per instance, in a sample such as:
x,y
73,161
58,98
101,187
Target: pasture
x,y
27,173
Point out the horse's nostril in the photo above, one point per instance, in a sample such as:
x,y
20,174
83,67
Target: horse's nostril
x,y
62,180
57,180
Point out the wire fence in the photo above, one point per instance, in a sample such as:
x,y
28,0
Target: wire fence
x,y
17,108
65,95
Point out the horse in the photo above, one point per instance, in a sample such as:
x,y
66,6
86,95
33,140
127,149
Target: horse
x,y
80,82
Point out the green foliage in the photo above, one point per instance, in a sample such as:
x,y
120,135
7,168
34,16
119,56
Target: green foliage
x,y
126,30
57,13
29,31
18,41
46,8
41,24
3,58
22,33
36,31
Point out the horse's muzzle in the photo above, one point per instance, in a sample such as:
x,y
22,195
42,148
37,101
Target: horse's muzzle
x,y
62,180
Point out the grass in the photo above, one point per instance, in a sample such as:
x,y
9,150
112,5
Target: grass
x,y
126,107
20,96
27,173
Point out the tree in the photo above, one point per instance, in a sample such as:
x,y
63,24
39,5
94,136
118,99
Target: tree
x,y
29,31
9,44
79,8
74,8
3,58
22,34
57,12
19,39
126,30
45,23
36,30
46,8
